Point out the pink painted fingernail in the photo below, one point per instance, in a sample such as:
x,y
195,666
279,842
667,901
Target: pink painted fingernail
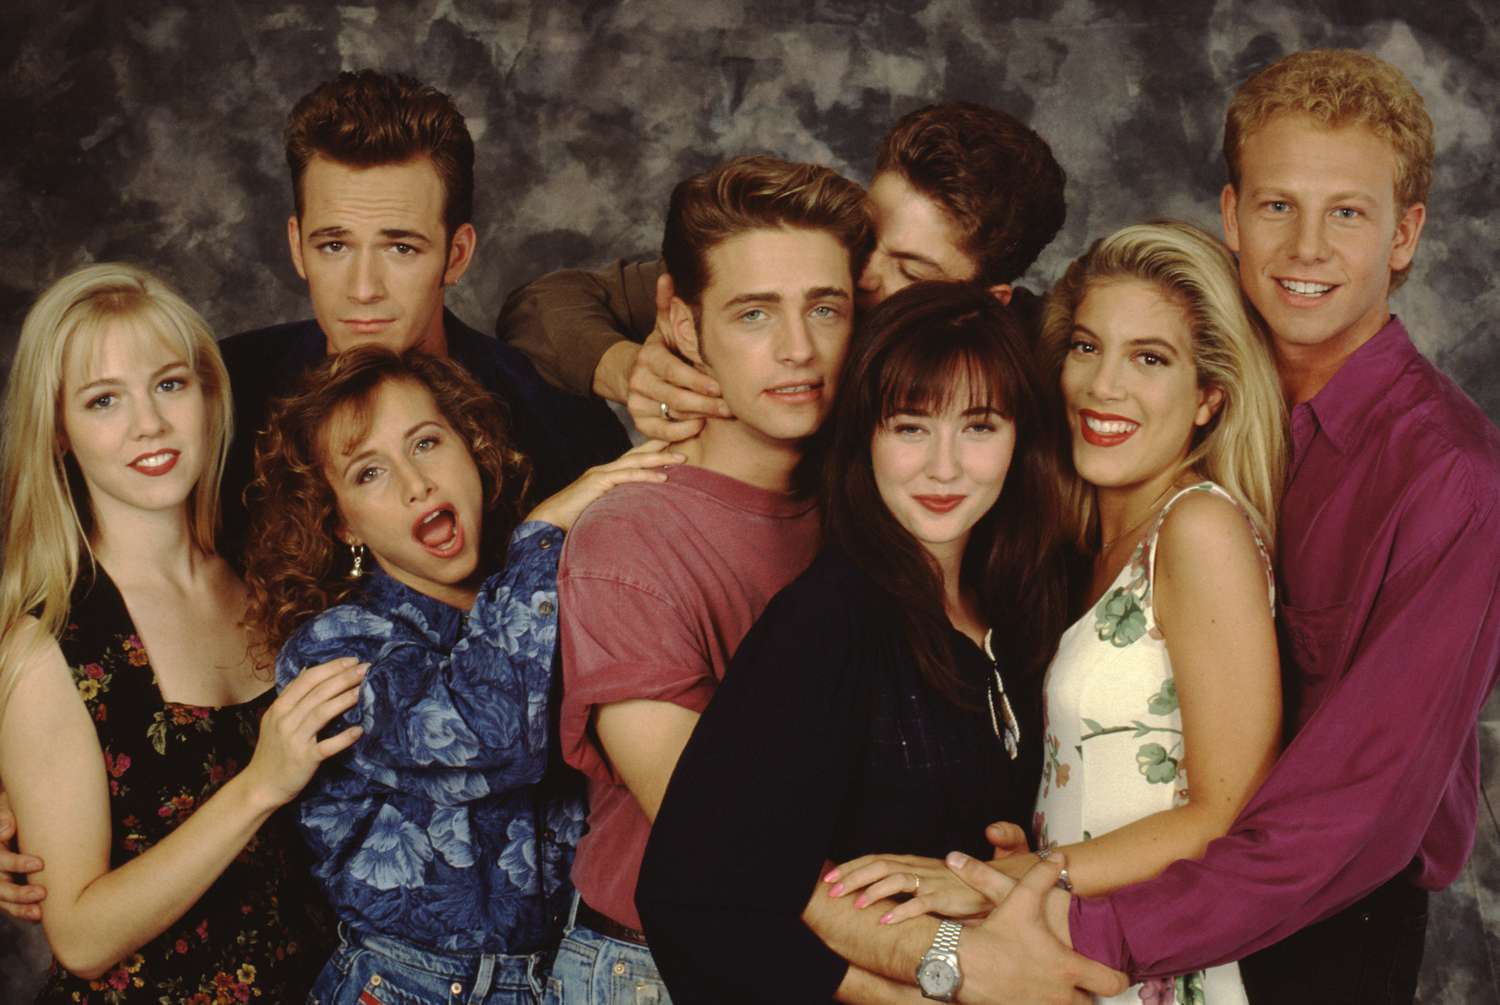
x,y
860,901
885,919
832,875
838,890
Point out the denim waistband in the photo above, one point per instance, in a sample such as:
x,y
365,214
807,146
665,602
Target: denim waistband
x,y
470,969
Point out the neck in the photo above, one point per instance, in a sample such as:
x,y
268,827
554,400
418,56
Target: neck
x,y
1306,369
140,545
734,449
1125,510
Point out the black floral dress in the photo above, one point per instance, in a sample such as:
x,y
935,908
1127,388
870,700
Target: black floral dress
x,y
262,931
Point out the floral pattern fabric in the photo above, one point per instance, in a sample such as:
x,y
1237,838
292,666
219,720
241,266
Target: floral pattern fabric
x,y
1113,737
261,931
441,826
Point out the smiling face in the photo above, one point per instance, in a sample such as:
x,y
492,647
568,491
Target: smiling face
x,y
1131,387
134,418
409,490
940,472
915,239
775,323
376,256
1317,231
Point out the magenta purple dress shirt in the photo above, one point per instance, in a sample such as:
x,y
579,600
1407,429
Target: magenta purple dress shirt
x,y
1389,566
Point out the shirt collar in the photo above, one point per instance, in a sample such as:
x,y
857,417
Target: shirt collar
x,y
1344,406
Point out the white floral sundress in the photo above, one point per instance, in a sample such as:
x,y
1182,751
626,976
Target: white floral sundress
x,y
1113,737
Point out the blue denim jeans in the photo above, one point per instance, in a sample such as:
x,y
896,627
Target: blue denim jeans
x,y
378,970
593,969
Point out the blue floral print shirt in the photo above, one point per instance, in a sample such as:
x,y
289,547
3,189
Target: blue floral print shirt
x,y
442,825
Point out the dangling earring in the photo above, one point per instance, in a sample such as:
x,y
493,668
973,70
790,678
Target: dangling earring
x,y
357,551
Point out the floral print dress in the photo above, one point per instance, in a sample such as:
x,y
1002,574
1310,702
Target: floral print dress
x,y
261,932
1113,743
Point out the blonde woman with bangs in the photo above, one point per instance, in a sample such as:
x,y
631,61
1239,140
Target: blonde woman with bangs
x,y
1162,704
130,705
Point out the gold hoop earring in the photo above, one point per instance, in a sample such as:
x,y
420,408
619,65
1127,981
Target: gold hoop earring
x,y
357,552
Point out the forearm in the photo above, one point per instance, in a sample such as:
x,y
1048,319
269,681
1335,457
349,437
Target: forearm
x,y
123,909
860,987
612,372
890,951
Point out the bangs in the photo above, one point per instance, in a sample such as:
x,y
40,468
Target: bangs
x,y
125,314
933,373
347,422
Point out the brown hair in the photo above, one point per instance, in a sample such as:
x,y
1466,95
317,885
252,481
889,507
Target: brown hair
x,y
1339,87
752,193
995,177
295,566
366,118
915,351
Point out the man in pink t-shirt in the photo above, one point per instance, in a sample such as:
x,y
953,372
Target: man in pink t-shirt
x,y
659,584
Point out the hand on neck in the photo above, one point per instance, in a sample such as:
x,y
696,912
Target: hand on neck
x,y
734,449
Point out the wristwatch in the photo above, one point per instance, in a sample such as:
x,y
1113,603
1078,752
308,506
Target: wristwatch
x,y
937,975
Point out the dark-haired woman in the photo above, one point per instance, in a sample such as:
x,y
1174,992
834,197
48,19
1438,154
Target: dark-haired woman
x,y
392,532
887,698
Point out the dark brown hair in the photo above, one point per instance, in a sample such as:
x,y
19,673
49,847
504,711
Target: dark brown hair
x,y
916,350
993,174
753,193
295,566
365,118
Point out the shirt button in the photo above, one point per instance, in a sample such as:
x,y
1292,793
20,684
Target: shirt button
x,y
544,545
545,607
374,980
549,834
619,969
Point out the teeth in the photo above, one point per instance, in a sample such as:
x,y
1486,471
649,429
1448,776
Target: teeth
x,y
433,516
1305,289
154,461
793,389
1111,427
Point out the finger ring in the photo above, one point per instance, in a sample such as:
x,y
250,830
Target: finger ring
x,y
666,413
916,884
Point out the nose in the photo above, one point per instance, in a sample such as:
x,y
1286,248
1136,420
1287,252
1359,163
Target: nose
x,y
1311,240
795,344
146,419
415,483
1105,382
942,457
366,279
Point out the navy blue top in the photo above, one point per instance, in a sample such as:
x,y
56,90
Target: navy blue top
x,y
436,827
561,433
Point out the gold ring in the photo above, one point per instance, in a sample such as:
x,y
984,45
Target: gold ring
x,y
666,413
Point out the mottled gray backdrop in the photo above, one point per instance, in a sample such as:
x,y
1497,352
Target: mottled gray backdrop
x,y
151,131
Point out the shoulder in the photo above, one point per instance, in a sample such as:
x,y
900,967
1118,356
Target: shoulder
x,y
42,694
1205,535
264,358
348,629
831,602
1437,431
630,524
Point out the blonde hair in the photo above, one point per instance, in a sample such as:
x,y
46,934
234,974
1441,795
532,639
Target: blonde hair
x,y
1243,448
1340,87
48,524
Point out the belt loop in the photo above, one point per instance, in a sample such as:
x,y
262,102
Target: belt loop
x,y
572,913
534,964
483,978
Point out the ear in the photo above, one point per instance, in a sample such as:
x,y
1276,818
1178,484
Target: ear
x,y
682,332
294,242
1229,204
1209,400
460,253
345,535
1408,233
1002,292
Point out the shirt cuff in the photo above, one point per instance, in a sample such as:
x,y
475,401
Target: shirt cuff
x,y
1096,932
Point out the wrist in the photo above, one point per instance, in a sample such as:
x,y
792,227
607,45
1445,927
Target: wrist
x,y
612,373
247,790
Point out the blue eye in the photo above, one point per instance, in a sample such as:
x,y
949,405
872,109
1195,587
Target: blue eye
x,y
366,475
171,384
101,401
754,314
425,444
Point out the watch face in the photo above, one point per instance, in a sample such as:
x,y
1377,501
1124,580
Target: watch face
x,y
937,977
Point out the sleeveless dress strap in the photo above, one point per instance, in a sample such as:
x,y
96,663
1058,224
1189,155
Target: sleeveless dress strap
x,y
1213,488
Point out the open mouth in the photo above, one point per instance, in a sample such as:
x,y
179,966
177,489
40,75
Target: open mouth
x,y
1303,288
1105,430
439,532
158,462
809,390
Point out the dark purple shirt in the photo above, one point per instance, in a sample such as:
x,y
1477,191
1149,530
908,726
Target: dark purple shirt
x,y
1389,556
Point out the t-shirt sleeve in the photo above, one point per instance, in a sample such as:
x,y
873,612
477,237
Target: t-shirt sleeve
x,y
1349,803
565,321
624,635
748,819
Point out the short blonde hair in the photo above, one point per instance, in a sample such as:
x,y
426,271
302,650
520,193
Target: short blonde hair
x,y
1340,87
47,527
1243,448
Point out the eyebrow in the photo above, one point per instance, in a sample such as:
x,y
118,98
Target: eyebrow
x,y
115,381
816,293
912,256
1135,343
391,233
1277,191
359,457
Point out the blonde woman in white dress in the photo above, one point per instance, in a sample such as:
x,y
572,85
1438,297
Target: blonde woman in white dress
x,y
1163,702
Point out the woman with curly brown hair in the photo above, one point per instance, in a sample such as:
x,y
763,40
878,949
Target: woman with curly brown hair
x,y
392,531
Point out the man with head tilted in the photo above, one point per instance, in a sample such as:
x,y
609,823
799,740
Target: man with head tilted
x,y
382,173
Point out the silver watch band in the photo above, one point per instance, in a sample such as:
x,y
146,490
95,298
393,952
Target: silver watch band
x,y
946,939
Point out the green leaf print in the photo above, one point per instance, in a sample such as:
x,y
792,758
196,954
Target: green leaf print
x,y
157,732
1190,989
1153,761
1120,620
1092,725
1164,702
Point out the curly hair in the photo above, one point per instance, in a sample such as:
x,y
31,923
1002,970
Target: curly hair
x,y
995,177
295,566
